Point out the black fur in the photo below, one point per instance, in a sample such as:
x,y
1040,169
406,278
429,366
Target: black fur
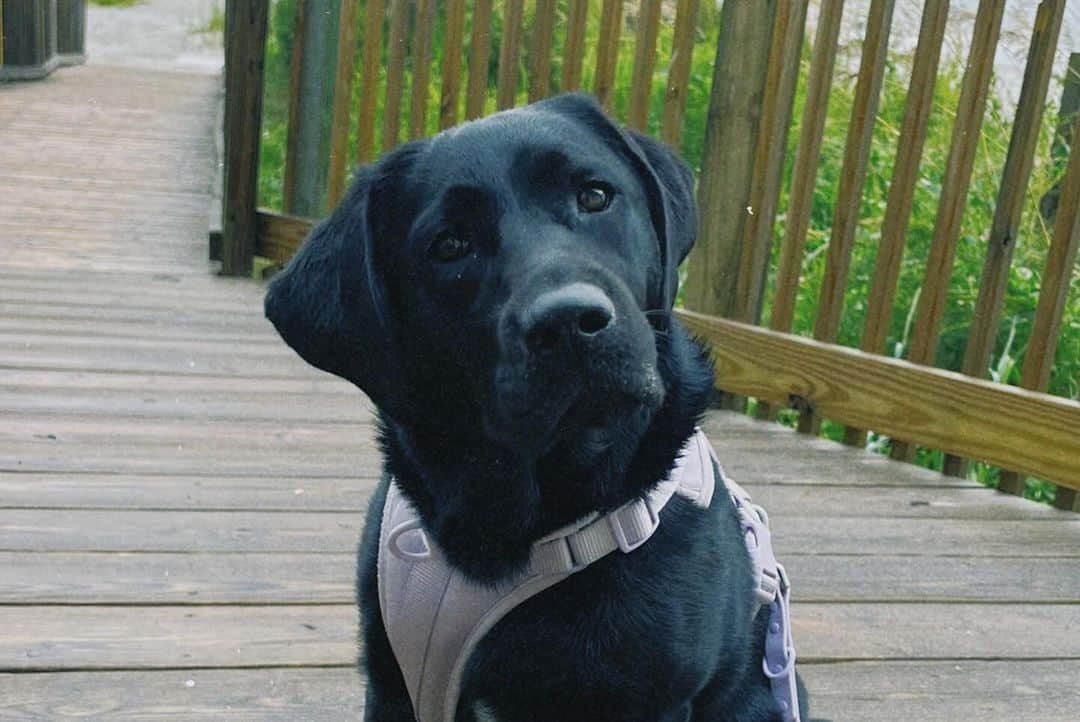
x,y
497,443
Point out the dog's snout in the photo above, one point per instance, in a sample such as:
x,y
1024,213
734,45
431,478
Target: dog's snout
x,y
570,313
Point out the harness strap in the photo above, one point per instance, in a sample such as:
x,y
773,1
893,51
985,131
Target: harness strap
x,y
435,617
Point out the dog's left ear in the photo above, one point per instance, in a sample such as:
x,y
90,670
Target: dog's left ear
x,y
668,182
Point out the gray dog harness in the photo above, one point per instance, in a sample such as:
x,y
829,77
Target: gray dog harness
x,y
435,617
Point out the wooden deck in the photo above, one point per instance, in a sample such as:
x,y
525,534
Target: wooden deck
x,y
180,495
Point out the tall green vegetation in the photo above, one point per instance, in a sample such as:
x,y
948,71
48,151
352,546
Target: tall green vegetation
x,y
1030,253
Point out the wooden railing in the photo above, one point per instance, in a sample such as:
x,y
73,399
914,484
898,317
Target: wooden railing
x,y
742,187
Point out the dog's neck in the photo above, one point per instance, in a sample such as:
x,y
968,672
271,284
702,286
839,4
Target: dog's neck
x,y
486,505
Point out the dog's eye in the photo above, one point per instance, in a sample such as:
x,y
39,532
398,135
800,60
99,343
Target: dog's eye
x,y
450,248
594,197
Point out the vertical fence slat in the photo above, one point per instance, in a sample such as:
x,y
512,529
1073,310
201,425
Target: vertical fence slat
x,y
1011,194
370,58
509,48
727,162
339,126
954,191
1057,274
894,227
577,18
807,158
607,52
296,64
678,77
451,65
860,134
395,71
781,78
479,55
425,20
543,37
246,24
648,29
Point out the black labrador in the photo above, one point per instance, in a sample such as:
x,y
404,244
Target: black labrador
x,y
503,293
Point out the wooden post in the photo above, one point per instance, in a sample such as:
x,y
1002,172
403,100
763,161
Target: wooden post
x,y
452,48
508,55
637,116
678,78
245,53
343,79
307,143
542,40
425,21
395,72
607,52
479,54
577,18
727,163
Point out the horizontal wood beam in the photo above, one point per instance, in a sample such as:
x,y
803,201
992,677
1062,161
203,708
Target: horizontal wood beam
x,y
1004,425
278,236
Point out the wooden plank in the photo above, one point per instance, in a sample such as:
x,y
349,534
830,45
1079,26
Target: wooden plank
x,y
956,182
395,72
728,156
266,695
607,52
678,78
149,492
807,156
860,134
1005,229
183,579
848,632
37,530
296,64
892,691
577,20
425,22
279,235
451,71
343,80
995,423
648,28
781,77
370,60
479,56
542,41
100,638
246,22
509,51
894,227
88,578
989,691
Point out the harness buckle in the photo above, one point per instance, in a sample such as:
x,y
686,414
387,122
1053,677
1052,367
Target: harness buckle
x,y
633,525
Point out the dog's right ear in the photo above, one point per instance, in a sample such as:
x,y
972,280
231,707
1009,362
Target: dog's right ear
x,y
329,302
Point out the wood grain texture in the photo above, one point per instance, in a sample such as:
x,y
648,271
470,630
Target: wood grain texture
x,y
370,60
425,22
648,19
543,37
577,20
279,235
479,55
804,172
509,54
453,42
342,109
781,78
607,52
246,23
678,76
296,64
996,423
396,43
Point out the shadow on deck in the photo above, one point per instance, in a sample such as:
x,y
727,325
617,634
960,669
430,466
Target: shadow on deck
x,y
180,495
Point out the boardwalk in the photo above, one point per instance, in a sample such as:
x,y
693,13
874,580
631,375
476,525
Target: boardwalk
x,y
180,496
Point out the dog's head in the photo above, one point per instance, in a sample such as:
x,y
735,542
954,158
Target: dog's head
x,y
510,274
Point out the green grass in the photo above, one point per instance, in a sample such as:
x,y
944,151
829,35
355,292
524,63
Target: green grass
x,y
1029,256
115,3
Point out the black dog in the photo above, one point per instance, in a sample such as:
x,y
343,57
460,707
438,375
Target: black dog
x,y
503,293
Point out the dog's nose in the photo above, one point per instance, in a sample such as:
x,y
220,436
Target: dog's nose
x,y
574,312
